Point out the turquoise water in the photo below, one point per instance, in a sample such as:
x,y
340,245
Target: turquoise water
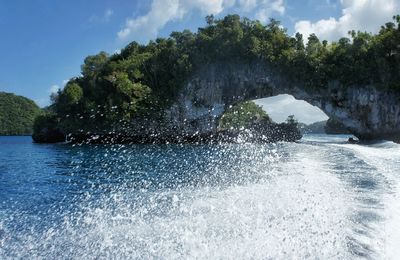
x,y
320,198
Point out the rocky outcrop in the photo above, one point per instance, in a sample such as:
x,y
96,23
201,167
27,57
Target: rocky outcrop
x,y
47,135
46,130
259,132
366,111
334,127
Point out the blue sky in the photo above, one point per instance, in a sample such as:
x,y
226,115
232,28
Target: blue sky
x,y
43,42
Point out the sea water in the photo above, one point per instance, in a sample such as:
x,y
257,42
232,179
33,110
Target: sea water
x,y
321,198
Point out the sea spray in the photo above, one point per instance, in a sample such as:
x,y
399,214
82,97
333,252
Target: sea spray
x,y
319,198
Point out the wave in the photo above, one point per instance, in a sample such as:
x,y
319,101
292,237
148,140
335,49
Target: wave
x,y
315,199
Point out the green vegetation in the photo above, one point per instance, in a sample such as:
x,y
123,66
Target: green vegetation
x,y
252,123
243,115
16,114
291,120
142,80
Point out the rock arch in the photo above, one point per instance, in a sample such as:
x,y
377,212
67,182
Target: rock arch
x,y
366,111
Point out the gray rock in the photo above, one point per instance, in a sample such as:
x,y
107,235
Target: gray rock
x,y
366,111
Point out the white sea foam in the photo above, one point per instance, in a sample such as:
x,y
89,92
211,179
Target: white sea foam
x,y
385,158
319,200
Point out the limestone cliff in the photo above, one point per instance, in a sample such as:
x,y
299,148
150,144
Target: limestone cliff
x,y
366,111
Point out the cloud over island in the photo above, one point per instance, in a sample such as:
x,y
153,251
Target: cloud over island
x,y
161,12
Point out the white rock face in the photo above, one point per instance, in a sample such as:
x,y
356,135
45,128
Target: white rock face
x,y
367,112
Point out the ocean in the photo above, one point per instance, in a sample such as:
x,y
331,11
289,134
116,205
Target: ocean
x,y
320,198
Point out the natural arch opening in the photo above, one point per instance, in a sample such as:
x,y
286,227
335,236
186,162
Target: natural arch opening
x,y
283,114
281,106
311,119
269,119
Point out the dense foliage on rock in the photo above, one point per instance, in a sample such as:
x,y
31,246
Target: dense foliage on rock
x,y
17,114
142,80
248,122
242,116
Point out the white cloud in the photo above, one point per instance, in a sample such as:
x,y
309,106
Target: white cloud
x,y
363,15
53,89
163,11
42,102
328,29
64,82
247,5
281,106
266,8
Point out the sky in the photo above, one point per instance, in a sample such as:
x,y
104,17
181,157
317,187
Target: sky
x,y
281,106
44,42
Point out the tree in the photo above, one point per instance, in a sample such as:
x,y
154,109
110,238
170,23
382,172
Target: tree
x,y
72,93
127,95
243,115
299,44
314,46
93,64
210,19
147,79
291,120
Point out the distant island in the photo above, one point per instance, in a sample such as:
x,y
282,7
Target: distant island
x,y
181,85
329,126
17,114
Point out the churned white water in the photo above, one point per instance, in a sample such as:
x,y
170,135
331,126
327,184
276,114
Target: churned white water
x,y
318,199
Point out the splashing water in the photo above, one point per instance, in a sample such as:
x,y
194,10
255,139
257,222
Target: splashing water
x,y
321,198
